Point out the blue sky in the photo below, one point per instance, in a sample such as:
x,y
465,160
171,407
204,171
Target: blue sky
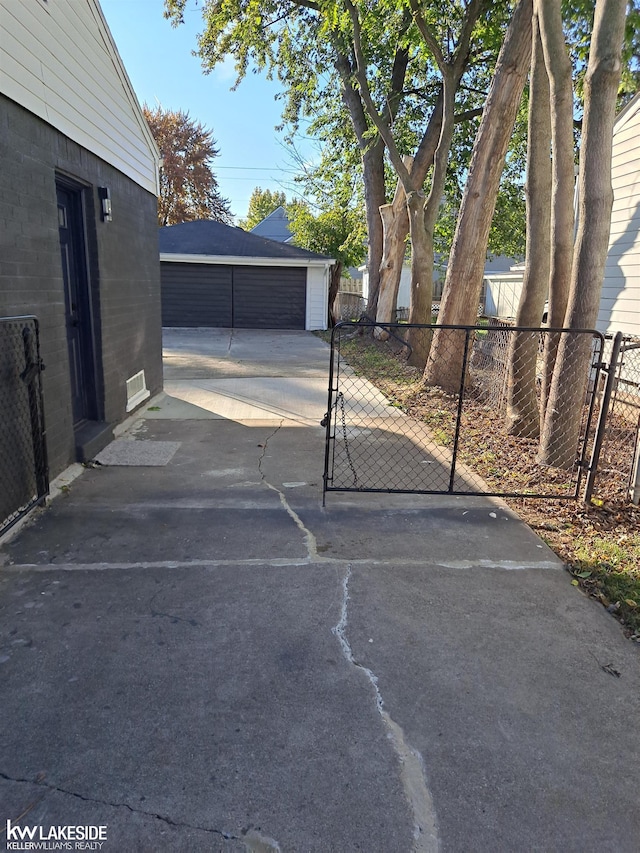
x,y
161,68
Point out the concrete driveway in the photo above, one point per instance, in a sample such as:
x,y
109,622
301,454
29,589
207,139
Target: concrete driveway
x,y
198,656
245,374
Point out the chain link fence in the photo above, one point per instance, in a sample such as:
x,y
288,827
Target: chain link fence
x,y
618,474
474,426
23,460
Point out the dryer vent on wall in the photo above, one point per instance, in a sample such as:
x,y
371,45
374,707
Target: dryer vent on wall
x,y
136,390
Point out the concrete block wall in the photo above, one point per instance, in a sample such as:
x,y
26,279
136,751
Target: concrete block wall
x,y
123,264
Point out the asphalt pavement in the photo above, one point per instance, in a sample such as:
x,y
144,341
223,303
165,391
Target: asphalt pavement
x,y
199,656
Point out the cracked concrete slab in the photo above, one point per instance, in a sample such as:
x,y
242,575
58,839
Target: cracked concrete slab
x,y
520,724
205,658
126,828
218,699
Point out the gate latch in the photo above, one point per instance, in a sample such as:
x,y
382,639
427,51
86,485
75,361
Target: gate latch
x,y
31,371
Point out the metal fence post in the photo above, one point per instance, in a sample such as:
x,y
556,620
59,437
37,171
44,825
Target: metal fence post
x,y
612,369
634,485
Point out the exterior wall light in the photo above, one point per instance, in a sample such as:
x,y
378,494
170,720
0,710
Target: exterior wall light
x,y
105,204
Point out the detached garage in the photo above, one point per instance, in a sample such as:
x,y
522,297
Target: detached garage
x,y
216,275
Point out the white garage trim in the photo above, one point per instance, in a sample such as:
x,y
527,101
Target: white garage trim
x,y
317,297
242,261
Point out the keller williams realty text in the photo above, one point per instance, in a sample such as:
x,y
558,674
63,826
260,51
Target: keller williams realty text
x,y
55,837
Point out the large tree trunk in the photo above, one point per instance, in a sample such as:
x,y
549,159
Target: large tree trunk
x,y
463,283
372,154
395,217
422,218
563,417
558,66
334,286
374,199
395,226
523,416
419,340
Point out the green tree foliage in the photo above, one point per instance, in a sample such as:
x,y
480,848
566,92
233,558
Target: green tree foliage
x,y
188,186
507,236
261,204
578,18
334,224
337,231
301,43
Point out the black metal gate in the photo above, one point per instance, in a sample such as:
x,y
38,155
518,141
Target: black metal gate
x,y
24,474
467,436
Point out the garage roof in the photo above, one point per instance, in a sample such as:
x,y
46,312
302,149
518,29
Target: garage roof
x,y
205,237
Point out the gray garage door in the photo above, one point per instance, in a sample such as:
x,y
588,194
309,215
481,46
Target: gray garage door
x,y
269,297
241,297
196,295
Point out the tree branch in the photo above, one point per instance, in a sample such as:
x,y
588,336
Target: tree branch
x,y
427,34
467,115
351,98
365,93
462,51
308,4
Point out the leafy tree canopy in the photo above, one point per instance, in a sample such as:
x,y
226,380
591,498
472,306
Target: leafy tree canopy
x,y
338,232
188,187
329,217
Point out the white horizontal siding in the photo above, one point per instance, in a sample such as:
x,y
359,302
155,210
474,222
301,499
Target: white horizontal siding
x,y
502,294
317,298
620,302
60,63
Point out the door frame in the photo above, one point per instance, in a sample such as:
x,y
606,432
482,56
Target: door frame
x,y
83,230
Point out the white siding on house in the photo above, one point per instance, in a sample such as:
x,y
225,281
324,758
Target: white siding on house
x,y
502,294
58,60
317,297
620,303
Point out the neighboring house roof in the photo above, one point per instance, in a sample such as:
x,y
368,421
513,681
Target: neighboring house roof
x,y
627,112
59,62
275,226
501,263
206,238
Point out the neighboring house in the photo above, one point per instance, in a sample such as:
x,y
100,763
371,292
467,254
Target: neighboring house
x,y
275,226
494,264
78,242
404,287
217,275
502,291
620,300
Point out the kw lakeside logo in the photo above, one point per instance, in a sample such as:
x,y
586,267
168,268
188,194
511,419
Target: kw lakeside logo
x,y
55,837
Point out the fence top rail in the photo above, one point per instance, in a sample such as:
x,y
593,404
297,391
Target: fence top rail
x,y
19,318
372,324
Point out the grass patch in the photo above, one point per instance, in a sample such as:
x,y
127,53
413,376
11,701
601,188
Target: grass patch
x,y
609,569
377,362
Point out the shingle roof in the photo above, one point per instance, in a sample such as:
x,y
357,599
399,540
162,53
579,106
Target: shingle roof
x,y
205,237
275,226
